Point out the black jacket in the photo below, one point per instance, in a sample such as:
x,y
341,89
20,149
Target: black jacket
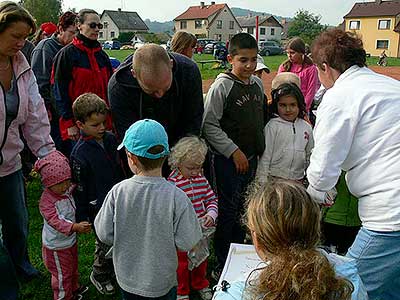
x,y
180,110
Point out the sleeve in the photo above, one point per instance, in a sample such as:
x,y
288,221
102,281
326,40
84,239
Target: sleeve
x,y
36,128
333,135
187,227
104,221
80,176
53,218
194,105
214,110
211,202
312,86
309,147
264,163
281,69
41,66
61,78
120,99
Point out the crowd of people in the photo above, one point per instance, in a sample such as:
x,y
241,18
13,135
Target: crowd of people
x,y
239,168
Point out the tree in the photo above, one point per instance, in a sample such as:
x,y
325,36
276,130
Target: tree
x,y
43,10
126,37
306,26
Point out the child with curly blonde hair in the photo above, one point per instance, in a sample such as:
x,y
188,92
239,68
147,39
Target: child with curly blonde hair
x,y
285,227
186,161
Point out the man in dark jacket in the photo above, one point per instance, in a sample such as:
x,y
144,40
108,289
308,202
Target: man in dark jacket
x,y
159,86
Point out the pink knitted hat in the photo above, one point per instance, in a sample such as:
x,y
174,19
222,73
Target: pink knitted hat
x,y
53,168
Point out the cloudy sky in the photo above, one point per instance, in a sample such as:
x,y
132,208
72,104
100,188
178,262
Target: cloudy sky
x,y
331,11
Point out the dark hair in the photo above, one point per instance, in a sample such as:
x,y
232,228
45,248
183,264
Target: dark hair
x,y
86,105
67,19
298,45
338,49
149,164
11,12
286,89
241,41
83,12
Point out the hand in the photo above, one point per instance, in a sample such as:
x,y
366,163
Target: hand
x,y
73,133
82,227
240,161
207,221
321,197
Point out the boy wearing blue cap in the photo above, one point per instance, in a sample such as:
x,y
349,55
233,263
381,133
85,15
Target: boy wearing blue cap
x,y
145,218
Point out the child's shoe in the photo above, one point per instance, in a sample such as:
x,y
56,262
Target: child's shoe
x,y
182,297
105,288
78,294
206,294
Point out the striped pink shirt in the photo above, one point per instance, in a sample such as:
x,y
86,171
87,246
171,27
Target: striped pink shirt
x,y
199,192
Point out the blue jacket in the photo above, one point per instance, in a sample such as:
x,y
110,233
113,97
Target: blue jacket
x,y
95,170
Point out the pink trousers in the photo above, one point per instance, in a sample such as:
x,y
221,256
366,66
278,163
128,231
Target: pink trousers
x,y
195,278
63,266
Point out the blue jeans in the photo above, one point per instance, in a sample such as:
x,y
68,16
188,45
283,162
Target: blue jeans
x,y
378,261
231,189
14,219
171,295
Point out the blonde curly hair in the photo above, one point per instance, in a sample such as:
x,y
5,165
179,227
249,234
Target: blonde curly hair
x,y
191,149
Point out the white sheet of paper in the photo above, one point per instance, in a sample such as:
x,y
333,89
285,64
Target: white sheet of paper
x,y
241,260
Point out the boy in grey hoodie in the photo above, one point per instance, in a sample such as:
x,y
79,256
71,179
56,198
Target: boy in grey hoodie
x,y
233,122
146,219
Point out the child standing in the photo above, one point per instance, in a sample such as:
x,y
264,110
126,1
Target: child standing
x,y
186,161
57,206
95,169
234,118
288,138
145,218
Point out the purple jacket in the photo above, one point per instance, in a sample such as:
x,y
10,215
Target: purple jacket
x,y
31,117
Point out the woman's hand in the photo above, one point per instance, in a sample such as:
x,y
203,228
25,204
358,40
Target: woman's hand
x,y
82,227
73,133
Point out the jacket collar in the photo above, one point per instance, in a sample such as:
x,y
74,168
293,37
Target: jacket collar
x,y
85,44
19,64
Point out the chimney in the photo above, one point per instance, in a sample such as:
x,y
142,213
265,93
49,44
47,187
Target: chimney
x,y
283,21
119,9
202,4
212,2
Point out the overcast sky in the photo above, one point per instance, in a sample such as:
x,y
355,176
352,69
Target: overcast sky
x,y
331,11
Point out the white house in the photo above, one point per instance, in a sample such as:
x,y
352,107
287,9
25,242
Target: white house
x,y
269,27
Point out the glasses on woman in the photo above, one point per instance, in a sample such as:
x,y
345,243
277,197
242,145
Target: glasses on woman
x,y
93,25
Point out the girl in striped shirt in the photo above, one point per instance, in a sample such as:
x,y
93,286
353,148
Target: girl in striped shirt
x,y
186,161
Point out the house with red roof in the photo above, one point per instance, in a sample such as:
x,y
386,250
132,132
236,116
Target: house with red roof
x,y
378,24
214,21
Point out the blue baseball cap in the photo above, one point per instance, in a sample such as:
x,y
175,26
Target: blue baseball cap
x,y
144,134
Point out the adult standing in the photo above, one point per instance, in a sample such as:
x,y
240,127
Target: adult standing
x,y
358,130
157,85
42,62
301,65
81,67
20,107
184,43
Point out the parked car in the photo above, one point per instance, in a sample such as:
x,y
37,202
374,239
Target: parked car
x,y
267,48
209,48
114,45
127,47
204,41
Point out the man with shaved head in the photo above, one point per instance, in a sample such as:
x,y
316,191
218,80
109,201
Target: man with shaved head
x,y
155,84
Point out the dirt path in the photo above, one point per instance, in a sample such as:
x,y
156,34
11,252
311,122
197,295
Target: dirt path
x,y
267,78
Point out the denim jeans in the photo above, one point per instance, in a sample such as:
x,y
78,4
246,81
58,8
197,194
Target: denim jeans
x,y
171,295
14,219
378,261
231,189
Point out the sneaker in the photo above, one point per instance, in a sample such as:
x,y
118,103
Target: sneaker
x,y
216,274
81,290
182,297
206,294
105,288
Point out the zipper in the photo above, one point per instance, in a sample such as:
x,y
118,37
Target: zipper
x,y
293,148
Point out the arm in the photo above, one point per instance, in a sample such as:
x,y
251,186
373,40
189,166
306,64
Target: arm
x,y
211,202
214,110
312,86
41,66
104,221
80,176
264,163
53,218
309,147
36,128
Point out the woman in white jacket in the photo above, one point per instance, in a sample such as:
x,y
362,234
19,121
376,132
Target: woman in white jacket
x,y
288,138
358,131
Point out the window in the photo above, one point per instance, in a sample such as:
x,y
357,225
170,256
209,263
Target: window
x,y
105,25
354,25
217,37
100,34
250,30
197,24
272,31
382,44
183,24
231,24
219,24
384,24
262,31
112,34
